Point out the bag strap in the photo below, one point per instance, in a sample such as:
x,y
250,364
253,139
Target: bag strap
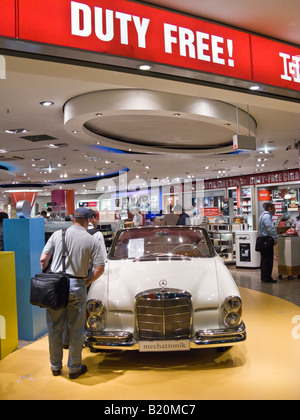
x,y
63,232
260,221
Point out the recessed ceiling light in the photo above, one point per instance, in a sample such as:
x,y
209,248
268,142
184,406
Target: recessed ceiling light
x,y
254,87
145,67
16,131
46,103
23,190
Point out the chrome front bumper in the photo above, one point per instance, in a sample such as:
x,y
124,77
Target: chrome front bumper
x,y
122,340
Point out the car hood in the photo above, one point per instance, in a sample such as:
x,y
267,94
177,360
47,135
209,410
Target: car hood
x,y
126,278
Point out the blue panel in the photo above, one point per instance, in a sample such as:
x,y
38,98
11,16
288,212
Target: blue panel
x,y
26,237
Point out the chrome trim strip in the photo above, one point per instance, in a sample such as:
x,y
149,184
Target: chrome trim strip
x,y
220,336
121,340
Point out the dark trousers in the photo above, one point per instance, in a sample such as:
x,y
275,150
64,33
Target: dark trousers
x,y
266,264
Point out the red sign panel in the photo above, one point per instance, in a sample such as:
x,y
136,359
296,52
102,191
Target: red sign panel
x,y
279,177
209,211
275,63
131,30
8,18
264,195
125,29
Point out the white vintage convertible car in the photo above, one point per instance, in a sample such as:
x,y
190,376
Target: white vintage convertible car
x,y
164,289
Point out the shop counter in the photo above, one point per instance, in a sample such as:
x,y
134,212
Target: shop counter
x,y
246,256
288,256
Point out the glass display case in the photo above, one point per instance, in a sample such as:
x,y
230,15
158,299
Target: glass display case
x,y
223,243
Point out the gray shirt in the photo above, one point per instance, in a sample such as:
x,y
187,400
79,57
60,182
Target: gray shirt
x,y
81,248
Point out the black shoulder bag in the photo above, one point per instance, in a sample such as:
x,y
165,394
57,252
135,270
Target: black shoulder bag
x,y
263,243
51,290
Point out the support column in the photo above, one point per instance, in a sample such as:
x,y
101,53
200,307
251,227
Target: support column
x,y
59,197
64,198
70,201
26,238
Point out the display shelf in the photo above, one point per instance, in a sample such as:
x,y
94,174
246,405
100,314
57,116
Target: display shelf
x,y
217,227
224,245
246,204
108,231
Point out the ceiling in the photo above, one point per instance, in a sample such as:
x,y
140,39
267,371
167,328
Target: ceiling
x,y
278,19
148,131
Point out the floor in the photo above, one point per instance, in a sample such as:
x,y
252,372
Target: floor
x,y
284,288
266,366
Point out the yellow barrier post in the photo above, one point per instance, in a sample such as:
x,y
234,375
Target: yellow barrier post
x,y
8,305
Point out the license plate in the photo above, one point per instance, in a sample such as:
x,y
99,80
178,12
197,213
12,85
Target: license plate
x,y
164,345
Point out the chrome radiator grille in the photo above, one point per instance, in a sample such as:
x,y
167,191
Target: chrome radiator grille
x,y
163,314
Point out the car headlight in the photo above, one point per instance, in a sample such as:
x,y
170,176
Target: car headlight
x,y
232,311
232,319
94,306
233,303
96,323
97,315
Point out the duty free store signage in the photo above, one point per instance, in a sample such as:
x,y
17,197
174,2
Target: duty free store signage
x,y
279,177
7,18
126,29
122,28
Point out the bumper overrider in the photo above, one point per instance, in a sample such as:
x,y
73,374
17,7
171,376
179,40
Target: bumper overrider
x,y
122,340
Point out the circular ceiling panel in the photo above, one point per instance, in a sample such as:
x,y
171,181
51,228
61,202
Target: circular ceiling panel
x,y
159,131
148,122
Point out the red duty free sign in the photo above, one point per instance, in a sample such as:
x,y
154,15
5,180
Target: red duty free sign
x,y
8,18
127,29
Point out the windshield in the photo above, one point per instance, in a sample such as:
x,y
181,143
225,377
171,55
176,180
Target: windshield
x,y
161,242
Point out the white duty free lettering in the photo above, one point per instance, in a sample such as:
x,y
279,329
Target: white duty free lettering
x,y
82,18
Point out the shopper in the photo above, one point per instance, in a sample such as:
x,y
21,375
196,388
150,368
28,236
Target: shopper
x,y
138,218
93,230
298,222
81,248
43,215
266,228
3,216
170,218
184,218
